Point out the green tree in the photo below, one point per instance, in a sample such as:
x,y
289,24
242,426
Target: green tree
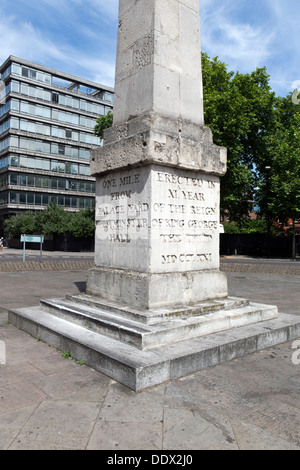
x,y
102,123
82,224
23,223
54,220
279,188
240,109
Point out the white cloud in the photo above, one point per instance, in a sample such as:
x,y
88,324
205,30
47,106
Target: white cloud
x,y
246,34
235,41
82,51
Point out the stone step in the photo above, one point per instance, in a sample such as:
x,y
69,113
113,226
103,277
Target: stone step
x,y
143,337
138,369
154,316
98,320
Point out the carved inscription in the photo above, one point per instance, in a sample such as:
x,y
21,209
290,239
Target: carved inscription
x,y
180,214
192,220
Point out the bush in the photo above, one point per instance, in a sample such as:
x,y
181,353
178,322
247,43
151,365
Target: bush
x,y
54,220
247,226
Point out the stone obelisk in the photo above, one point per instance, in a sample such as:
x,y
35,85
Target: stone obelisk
x,y
158,172
156,305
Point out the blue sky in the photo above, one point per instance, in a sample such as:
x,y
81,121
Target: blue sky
x,y
79,36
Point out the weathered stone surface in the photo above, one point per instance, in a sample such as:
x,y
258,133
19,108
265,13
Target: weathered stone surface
x,y
158,64
157,220
154,139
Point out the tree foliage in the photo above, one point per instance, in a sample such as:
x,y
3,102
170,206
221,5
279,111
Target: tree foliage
x,y
240,109
102,123
279,187
54,220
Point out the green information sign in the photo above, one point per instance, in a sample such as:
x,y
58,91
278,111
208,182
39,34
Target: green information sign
x,y
32,239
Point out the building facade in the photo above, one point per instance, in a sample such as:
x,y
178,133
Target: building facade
x,y
47,121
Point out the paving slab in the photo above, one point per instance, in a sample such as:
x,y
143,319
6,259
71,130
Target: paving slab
x,y
48,401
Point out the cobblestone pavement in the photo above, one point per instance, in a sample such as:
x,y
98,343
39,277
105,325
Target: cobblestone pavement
x,y
11,261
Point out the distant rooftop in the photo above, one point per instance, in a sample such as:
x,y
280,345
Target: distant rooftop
x,y
61,79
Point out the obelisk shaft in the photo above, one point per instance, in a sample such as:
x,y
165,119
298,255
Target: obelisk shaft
x,y
158,66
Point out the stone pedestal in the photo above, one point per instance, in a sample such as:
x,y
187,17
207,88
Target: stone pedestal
x,y
157,216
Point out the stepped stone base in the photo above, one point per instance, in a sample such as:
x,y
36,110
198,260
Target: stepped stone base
x,y
141,350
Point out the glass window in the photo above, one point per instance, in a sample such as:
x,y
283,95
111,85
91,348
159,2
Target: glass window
x,y
15,105
74,186
62,100
47,95
45,182
22,198
24,107
62,167
55,114
46,165
30,198
54,165
13,196
68,167
32,92
32,74
84,154
38,199
84,170
14,122
40,76
14,141
30,162
30,180
23,161
74,168
22,180
25,72
61,183
54,131
55,97
13,178
38,181
45,199
69,101
16,68
61,149
53,183
14,160
47,78
15,86
40,93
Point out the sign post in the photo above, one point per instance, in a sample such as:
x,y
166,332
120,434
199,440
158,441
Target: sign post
x,y
32,239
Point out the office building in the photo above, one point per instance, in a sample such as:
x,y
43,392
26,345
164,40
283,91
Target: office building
x,y
47,121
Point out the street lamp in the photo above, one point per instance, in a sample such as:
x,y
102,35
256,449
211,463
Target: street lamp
x,y
268,168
